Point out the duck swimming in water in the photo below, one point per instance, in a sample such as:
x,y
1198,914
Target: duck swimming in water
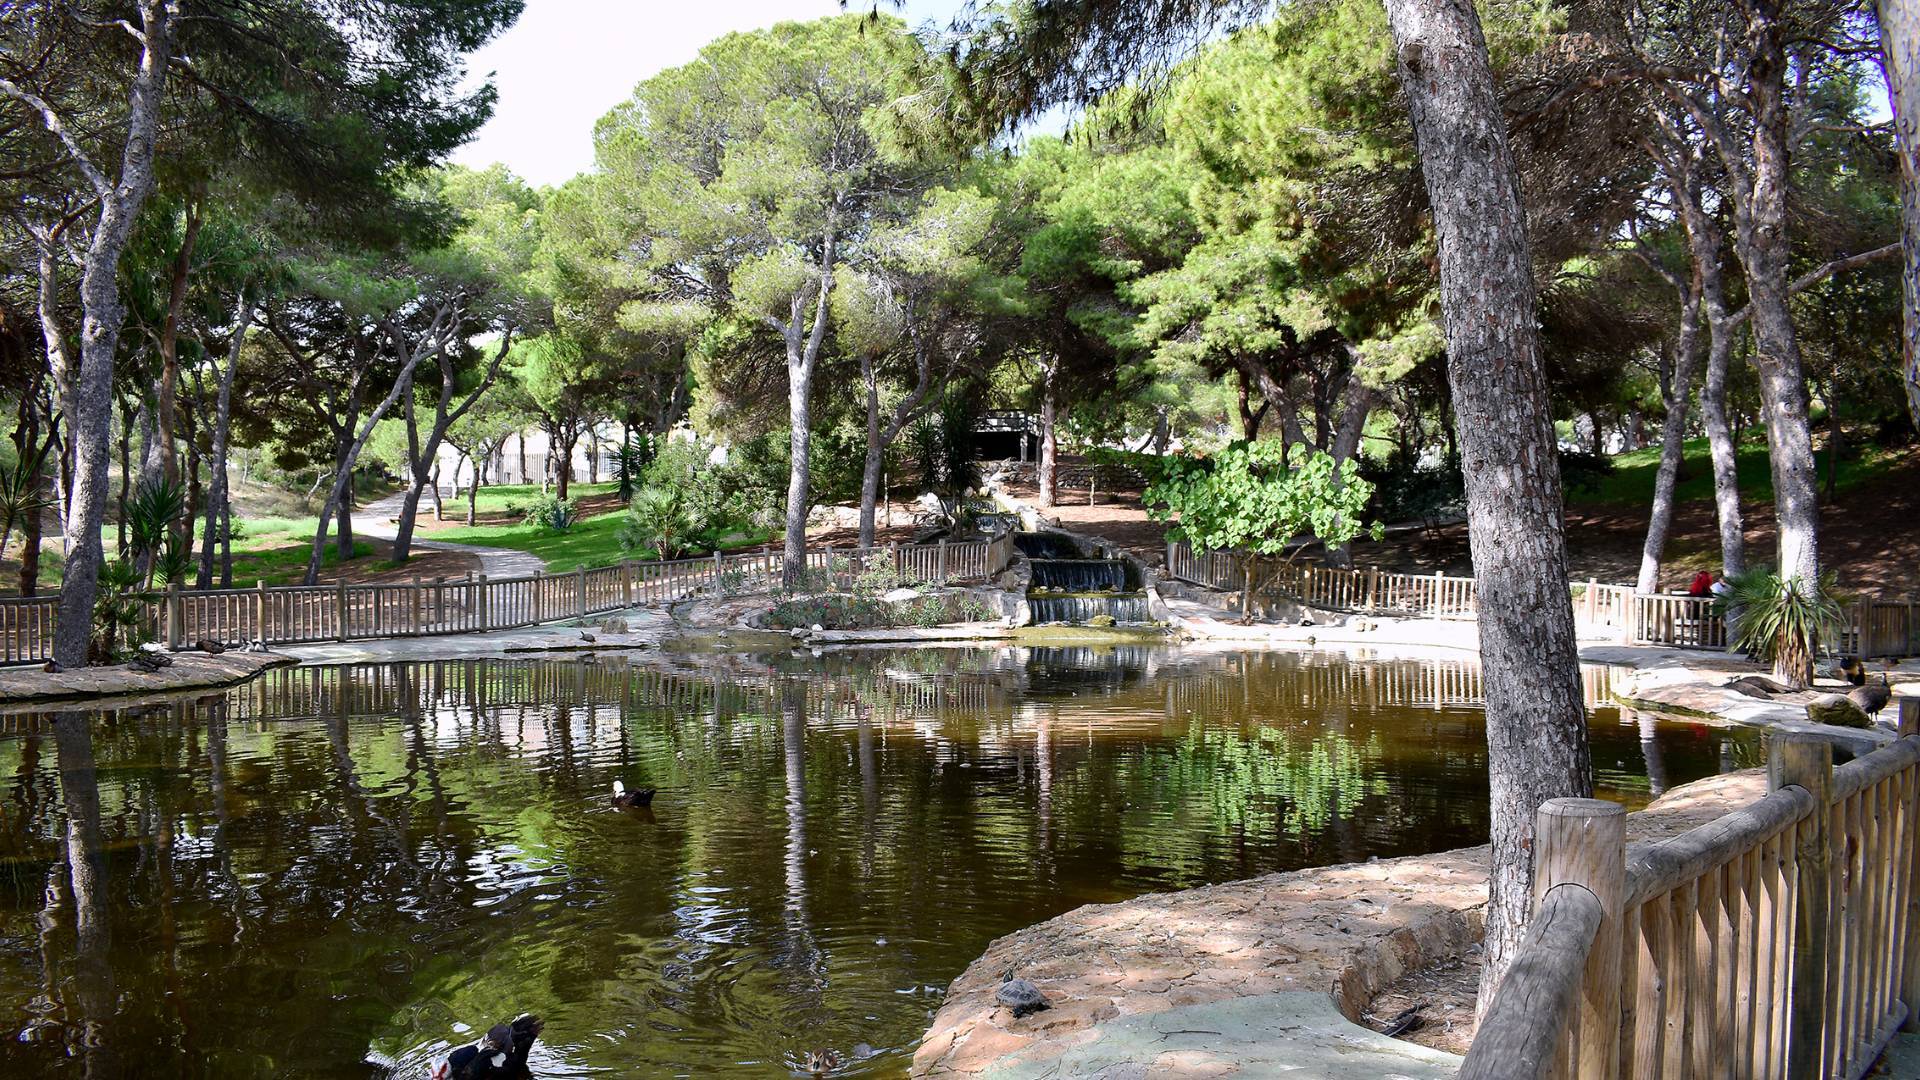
x,y
501,1052
631,800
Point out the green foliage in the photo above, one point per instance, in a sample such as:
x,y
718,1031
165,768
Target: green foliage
x,y
1583,473
1249,497
658,520
1784,622
1405,490
550,511
119,613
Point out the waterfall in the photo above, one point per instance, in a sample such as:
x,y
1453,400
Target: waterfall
x,y
1079,607
1080,575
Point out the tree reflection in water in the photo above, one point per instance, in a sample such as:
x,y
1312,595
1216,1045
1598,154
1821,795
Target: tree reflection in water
x,y
340,865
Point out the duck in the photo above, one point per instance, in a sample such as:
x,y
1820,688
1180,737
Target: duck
x,y
1849,669
822,1062
631,800
1872,697
501,1052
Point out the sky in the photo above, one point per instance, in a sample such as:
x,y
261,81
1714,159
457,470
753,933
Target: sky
x,y
566,62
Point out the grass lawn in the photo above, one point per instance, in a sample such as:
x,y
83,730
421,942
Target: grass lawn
x,y
595,541
1631,481
512,498
273,550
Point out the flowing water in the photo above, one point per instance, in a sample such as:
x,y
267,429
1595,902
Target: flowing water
x,y
329,871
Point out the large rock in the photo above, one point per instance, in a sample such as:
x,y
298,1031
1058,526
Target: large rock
x,y
1838,710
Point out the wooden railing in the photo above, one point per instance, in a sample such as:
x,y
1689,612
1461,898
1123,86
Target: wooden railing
x,y
1779,941
296,614
1874,627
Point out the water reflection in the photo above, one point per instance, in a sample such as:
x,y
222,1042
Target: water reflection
x,y
327,872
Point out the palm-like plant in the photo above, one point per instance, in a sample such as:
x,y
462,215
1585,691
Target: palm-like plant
x,y
658,518
1784,621
119,610
151,511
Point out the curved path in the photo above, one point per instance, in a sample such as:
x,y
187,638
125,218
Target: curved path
x,y
376,520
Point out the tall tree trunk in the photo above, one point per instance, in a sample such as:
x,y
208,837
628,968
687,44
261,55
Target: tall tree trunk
x,y
1535,715
870,469
339,496
1047,472
1673,444
217,483
1345,447
1900,54
520,440
88,413
802,352
165,406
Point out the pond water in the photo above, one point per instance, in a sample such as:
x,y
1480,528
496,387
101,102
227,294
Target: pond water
x,y
329,871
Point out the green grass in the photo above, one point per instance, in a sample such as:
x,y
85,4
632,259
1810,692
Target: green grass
x,y
594,542
273,550
1632,479
515,498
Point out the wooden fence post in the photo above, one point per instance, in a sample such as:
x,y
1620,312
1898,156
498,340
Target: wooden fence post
x,y
175,609
439,600
1806,761
940,567
1583,842
485,617
413,607
580,591
1593,600
260,610
340,609
626,582
1910,962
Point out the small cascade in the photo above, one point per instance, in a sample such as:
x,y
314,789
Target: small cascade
x,y
1079,608
1068,587
1080,575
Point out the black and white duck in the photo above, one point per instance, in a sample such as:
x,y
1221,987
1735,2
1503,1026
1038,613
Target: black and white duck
x,y
501,1052
637,799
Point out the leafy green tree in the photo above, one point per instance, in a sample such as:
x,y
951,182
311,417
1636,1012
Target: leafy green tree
x,y
756,173
1260,498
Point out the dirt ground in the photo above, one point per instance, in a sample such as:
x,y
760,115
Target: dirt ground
x,y
1870,533
424,563
1432,1006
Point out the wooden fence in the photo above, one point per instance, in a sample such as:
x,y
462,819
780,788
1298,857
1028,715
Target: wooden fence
x,y
1875,627
296,614
1779,941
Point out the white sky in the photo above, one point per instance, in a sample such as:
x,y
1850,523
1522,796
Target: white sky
x,y
566,62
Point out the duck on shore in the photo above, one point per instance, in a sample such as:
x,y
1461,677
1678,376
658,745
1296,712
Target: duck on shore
x,y
631,800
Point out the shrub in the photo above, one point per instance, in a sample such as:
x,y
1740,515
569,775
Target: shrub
x,y
1582,472
1783,621
119,623
657,519
551,511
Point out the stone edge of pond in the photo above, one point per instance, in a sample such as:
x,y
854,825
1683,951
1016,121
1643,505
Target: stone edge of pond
x,y
30,686
1344,932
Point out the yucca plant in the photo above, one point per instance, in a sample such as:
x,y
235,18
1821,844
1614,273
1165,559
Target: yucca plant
x,y
1783,621
119,612
151,511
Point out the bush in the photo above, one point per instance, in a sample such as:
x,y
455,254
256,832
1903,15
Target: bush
x,y
658,519
1582,472
1783,621
1406,490
552,511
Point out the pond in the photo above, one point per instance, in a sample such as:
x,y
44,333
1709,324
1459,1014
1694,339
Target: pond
x,y
330,871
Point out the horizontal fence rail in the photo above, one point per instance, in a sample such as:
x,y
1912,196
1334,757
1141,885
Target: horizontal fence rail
x,y
1873,627
1780,941
304,614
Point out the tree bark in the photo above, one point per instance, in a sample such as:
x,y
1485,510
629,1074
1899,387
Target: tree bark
x,y
1673,443
217,483
880,436
802,353
1535,716
339,498
1047,472
1900,55
165,406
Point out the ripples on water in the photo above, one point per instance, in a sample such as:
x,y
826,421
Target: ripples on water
x,y
327,872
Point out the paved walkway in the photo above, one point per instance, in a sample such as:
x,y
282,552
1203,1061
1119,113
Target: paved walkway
x,y
376,520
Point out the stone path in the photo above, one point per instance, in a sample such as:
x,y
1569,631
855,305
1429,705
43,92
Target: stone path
x,y
1213,965
376,520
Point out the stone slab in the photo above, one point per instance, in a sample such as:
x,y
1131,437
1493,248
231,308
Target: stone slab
x,y
1295,1035
190,670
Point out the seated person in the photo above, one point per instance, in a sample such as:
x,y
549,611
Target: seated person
x,y
1702,586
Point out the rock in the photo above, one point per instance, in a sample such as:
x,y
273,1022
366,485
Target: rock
x,y
897,596
1838,710
798,631
1021,996
816,628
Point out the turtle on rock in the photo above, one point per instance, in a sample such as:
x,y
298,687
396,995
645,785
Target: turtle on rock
x,y
1020,996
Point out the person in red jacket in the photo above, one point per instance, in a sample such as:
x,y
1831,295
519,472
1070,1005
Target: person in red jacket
x,y
1702,586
